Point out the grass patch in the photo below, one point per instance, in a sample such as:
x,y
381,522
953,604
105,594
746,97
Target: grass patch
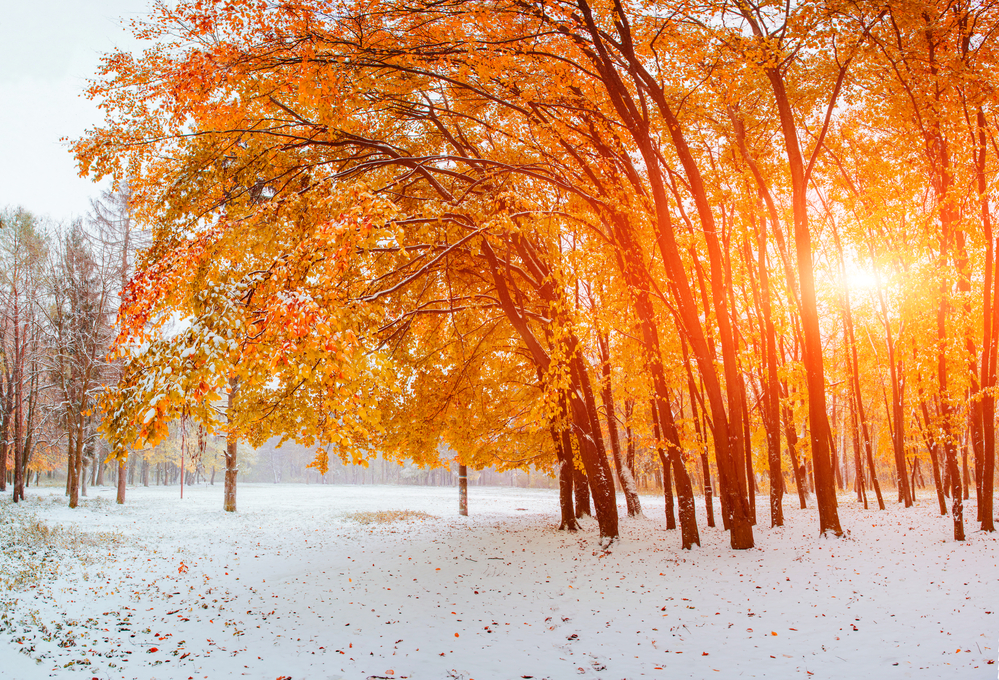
x,y
32,551
388,516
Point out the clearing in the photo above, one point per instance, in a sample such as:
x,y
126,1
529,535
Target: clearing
x,y
352,582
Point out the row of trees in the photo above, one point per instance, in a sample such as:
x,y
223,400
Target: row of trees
x,y
59,294
735,232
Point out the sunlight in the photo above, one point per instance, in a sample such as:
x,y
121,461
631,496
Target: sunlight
x,y
861,279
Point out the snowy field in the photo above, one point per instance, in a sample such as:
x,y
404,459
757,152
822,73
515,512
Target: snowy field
x,y
294,585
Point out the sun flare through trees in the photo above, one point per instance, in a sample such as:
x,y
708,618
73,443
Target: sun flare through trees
x,y
733,248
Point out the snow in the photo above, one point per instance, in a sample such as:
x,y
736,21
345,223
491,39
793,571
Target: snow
x,y
292,585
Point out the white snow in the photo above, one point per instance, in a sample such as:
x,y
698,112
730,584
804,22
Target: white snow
x,y
291,586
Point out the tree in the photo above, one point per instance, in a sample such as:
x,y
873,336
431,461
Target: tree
x,y
82,285
484,216
23,254
116,234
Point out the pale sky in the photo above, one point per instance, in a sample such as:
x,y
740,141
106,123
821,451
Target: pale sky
x,y
48,49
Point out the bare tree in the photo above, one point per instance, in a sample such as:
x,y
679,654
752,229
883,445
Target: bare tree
x,y
119,239
22,252
83,288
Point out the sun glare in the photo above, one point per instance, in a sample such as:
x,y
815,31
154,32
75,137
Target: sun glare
x,y
860,279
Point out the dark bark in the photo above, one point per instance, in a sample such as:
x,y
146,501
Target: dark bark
x,y
964,470
701,430
825,491
76,456
580,415
581,490
750,473
624,472
770,388
791,435
18,388
856,394
667,477
6,407
563,449
729,444
948,218
990,322
858,464
637,276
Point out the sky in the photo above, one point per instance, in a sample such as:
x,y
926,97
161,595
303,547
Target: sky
x,y
48,50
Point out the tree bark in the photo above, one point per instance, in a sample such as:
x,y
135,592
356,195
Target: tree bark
x,y
581,491
791,435
462,490
825,491
566,467
990,322
122,478
231,440
6,406
667,477
624,472
597,468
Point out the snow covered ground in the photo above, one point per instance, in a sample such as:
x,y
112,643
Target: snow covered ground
x,y
293,585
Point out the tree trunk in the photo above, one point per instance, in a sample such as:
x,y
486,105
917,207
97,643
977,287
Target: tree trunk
x,y
791,434
896,417
858,461
462,490
750,473
6,405
132,459
701,430
18,373
231,440
637,276
79,470
964,470
624,473
566,467
72,472
579,396
729,445
183,453
708,500
990,323
825,491
667,477
771,407
944,409
122,478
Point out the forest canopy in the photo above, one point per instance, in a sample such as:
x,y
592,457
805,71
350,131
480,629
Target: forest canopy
x,y
746,244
